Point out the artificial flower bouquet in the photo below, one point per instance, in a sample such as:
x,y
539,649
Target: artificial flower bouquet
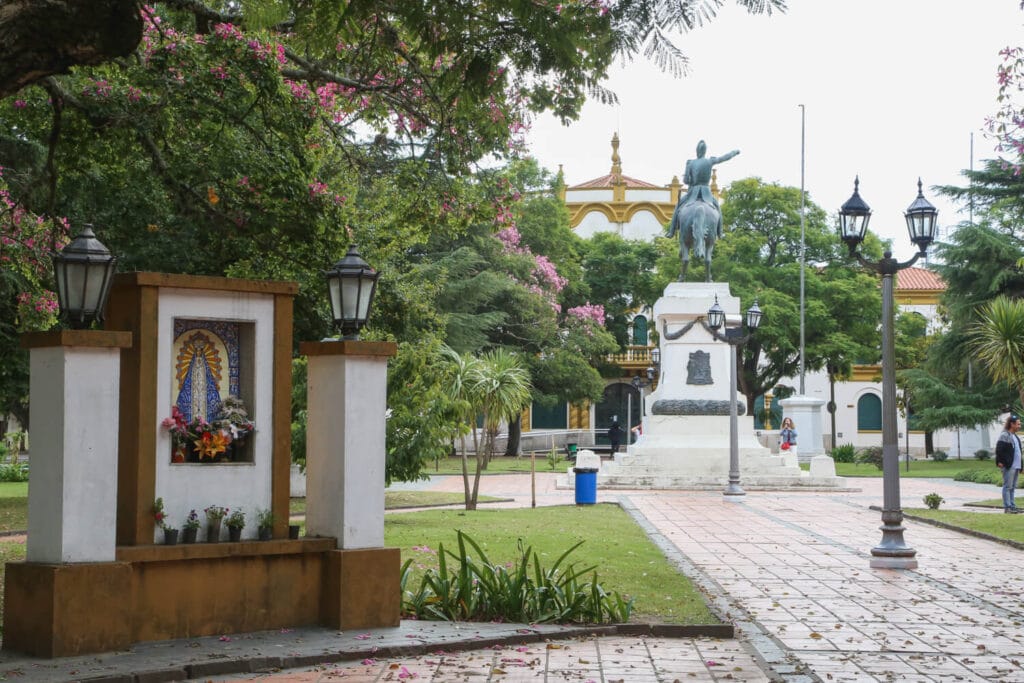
x,y
217,440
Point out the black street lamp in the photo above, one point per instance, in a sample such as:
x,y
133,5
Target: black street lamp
x,y
892,552
83,271
351,284
735,338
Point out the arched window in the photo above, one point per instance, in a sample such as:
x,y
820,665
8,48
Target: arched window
x,y
869,413
639,331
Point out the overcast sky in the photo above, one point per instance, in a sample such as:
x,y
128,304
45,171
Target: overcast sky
x,y
893,90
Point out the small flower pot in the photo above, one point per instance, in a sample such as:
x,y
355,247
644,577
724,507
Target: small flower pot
x,y
213,532
234,534
170,537
189,535
266,533
293,531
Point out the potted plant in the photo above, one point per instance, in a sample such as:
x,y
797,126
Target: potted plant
x,y
265,524
235,523
214,515
160,517
190,529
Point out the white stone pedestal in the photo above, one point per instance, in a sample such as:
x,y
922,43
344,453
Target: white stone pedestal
x,y
805,411
687,424
72,496
347,400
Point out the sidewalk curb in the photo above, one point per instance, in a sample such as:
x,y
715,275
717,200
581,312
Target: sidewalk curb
x,y
262,663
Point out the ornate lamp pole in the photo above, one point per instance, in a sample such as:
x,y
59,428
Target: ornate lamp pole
x,y
892,552
735,338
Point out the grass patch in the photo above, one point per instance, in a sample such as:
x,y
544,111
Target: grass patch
x,y
918,468
1007,527
988,503
625,558
13,505
396,500
498,465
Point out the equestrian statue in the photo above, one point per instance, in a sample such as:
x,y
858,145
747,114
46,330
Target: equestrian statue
x,y
697,216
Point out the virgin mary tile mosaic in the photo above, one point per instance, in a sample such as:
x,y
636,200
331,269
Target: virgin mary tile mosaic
x,y
205,388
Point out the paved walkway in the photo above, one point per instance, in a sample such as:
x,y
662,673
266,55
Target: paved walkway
x,y
790,569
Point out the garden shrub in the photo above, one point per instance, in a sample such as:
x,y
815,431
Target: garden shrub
x,y
940,456
14,472
844,453
872,455
933,501
522,592
982,454
992,476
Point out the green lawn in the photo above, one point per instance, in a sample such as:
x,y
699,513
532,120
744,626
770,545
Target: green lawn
x,y
498,465
918,468
626,559
1008,527
396,500
13,506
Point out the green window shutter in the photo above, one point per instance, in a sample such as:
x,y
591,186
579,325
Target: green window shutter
x,y
869,413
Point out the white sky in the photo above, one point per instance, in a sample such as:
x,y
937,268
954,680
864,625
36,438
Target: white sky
x,y
893,90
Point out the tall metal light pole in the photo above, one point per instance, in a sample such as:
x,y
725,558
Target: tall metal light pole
x,y
735,338
892,552
803,257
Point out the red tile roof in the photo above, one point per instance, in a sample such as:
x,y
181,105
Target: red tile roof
x,y
919,278
606,181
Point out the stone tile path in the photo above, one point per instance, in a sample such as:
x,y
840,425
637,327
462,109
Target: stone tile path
x,y
791,570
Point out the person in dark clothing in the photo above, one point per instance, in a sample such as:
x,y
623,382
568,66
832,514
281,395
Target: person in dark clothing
x,y
615,436
1008,459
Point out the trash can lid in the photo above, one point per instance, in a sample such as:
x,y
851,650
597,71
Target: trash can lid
x,y
587,459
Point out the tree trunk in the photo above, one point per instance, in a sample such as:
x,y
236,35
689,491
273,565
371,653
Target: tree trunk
x,y
40,38
465,473
929,445
515,431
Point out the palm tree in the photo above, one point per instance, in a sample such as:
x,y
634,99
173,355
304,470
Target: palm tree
x,y
460,368
495,385
998,341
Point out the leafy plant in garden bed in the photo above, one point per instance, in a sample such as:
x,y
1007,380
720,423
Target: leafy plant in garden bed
x,y
844,453
522,592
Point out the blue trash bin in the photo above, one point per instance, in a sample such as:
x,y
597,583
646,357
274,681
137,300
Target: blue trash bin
x,y
586,485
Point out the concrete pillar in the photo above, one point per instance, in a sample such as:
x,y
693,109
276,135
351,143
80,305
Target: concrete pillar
x,y
72,495
347,400
805,411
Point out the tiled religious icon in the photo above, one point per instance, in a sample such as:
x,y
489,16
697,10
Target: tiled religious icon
x,y
209,422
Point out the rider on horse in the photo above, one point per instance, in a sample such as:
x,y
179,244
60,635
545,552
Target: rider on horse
x,y
697,177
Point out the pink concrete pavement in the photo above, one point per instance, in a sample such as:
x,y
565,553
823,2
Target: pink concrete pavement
x,y
791,570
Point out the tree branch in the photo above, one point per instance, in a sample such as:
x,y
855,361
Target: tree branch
x,y
40,38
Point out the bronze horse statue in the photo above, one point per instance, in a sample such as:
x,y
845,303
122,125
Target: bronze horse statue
x,y
697,217
699,225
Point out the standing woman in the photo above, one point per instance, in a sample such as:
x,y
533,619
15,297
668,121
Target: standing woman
x,y
1008,459
787,435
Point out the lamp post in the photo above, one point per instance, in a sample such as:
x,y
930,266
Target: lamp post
x,y
892,552
351,284
735,338
83,271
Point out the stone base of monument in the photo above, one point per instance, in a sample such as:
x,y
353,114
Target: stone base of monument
x,y
692,452
686,428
